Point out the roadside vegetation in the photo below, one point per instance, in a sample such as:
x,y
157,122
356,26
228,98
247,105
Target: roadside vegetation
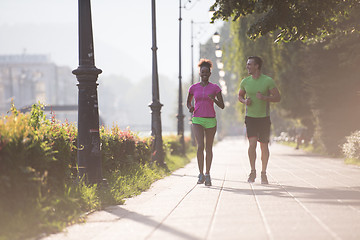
x,y
311,61
40,192
350,149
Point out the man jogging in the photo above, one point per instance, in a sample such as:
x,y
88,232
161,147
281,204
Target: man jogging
x,y
259,90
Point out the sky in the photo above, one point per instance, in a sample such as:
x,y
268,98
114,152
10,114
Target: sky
x,y
122,33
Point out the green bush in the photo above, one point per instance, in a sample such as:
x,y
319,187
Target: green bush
x,y
36,155
36,161
39,189
122,148
351,148
173,145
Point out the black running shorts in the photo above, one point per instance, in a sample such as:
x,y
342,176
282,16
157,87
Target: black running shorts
x,y
258,127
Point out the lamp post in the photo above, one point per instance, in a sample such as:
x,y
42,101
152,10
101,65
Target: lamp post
x,y
219,63
192,77
216,38
218,54
192,69
180,116
155,105
220,66
89,161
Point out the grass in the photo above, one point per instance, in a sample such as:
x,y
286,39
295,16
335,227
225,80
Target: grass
x,y
80,199
352,161
39,189
307,148
310,148
174,162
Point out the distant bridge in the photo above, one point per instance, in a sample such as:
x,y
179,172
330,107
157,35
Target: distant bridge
x,y
53,108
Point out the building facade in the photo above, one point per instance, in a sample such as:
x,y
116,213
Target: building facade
x,y
28,79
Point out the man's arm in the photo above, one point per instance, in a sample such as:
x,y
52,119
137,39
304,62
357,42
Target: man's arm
x,y
242,99
274,96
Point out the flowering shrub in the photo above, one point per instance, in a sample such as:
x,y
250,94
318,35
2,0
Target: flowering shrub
x,y
122,148
38,157
37,160
351,148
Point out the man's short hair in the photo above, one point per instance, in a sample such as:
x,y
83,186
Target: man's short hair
x,y
257,61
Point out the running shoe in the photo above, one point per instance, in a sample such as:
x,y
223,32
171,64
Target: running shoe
x,y
264,179
201,179
207,180
252,176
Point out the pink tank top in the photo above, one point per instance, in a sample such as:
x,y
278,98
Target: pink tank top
x,y
204,106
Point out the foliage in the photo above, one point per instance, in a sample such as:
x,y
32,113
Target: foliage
x,y
309,76
332,71
352,161
122,148
237,49
292,19
351,148
36,162
173,146
39,188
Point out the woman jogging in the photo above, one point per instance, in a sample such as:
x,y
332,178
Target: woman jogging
x,y
204,123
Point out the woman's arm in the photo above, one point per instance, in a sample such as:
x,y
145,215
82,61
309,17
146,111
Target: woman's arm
x,y
219,101
188,102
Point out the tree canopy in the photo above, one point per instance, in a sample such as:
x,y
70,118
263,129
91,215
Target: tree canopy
x,y
319,83
290,19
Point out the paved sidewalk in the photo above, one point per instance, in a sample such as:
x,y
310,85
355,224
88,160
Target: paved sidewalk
x,y
309,197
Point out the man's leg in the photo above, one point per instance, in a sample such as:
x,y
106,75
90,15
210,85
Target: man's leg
x,y
264,160
252,158
264,155
252,152
264,146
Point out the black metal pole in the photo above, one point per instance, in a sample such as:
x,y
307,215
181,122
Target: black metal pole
x,y
192,78
155,105
89,158
180,115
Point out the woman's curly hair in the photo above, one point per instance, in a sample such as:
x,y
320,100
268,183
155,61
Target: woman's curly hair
x,y
205,63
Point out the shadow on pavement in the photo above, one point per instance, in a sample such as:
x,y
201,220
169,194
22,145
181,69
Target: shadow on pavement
x,y
321,195
146,220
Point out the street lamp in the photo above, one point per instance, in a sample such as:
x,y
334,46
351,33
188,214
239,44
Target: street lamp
x,y
155,106
192,77
180,116
218,52
219,64
192,71
222,73
216,38
211,13
88,153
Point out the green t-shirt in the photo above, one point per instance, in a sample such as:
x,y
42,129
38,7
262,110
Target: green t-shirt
x,y
258,108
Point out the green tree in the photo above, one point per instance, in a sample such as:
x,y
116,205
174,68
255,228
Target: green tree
x,y
296,19
238,48
332,74
318,77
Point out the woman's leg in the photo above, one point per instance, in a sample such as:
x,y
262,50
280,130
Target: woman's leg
x,y
199,136
209,135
